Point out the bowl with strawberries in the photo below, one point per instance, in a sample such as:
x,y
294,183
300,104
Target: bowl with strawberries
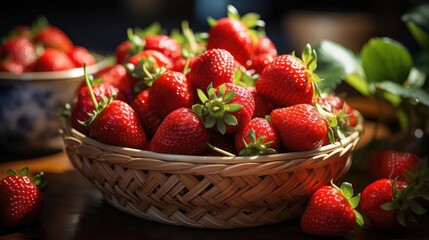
x,y
40,69
226,133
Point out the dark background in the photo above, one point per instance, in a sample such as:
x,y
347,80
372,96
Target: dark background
x,y
101,24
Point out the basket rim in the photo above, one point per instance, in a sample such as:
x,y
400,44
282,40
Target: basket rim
x,y
68,131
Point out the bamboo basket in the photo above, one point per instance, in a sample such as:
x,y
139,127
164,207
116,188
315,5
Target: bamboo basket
x,y
208,191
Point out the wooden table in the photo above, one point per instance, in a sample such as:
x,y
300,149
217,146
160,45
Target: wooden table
x,y
75,209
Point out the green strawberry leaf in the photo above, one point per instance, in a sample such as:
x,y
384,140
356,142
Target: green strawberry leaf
x,y
12,172
211,21
347,189
417,21
334,63
386,59
360,84
398,90
233,107
359,219
209,122
202,96
221,126
354,201
417,208
309,57
232,12
251,20
228,96
230,119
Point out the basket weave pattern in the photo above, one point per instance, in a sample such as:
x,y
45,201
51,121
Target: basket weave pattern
x,y
207,192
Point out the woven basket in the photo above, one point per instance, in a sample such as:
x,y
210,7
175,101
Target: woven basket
x,y
208,191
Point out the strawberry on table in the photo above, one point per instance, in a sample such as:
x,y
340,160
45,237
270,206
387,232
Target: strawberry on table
x,y
181,132
389,204
391,164
21,200
331,212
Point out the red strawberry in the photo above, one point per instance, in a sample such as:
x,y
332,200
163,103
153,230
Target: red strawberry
x,y
258,137
150,120
117,76
228,106
158,58
80,55
263,106
21,201
10,65
214,66
133,45
335,105
221,142
387,203
331,212
231,34
265,46
260,61
85,105
165,44
118,124
53,60
170,91
22,51
287,80
54,37
300,126
181,132
391,164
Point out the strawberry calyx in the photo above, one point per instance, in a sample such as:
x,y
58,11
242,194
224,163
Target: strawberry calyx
x,y
216,109
256,146
244,77
147,71
404,203
346,189
137,42
338,125
37,180
309,60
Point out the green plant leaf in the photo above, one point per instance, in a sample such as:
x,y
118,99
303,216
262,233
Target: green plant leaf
x,y
334,62
417,21
360,84
396,89
386,59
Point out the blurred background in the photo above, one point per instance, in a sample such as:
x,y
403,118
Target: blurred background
x,y
101,25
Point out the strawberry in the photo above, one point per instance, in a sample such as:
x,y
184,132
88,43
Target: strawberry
x,y
85,104
265,46
258,137
22,51
287,80
80,55
21,200
181,132
133,45
331,212
164,44
231,34
263,106
170,91
53,60
118,124
335,105
300,126
228,106
260,61
389,204
391,164
118,76
150,120
214,66
54,37
10,65
221,145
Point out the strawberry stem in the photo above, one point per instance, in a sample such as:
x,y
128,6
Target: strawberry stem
x,y
221,151
91,92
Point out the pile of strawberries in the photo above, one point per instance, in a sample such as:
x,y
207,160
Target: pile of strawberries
x,y
225,92
41,47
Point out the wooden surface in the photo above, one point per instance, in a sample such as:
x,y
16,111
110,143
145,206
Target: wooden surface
x,y
75,209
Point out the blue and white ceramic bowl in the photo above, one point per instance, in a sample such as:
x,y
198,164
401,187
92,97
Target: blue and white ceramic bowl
x,y
31,104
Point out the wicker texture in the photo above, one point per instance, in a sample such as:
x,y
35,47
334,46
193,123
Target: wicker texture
x,y
207,192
